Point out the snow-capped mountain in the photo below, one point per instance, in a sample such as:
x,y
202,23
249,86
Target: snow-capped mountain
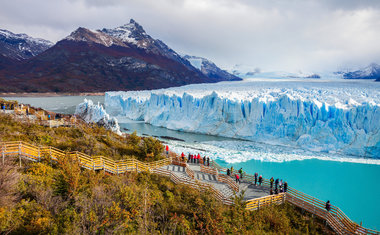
x,y
134,35
370,72
124,58
92,36
209,69
243,71
21,46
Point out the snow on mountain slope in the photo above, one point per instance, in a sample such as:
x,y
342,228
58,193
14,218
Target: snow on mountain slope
x,y
90,112
21,46
210,69
370,72
92,36
340,117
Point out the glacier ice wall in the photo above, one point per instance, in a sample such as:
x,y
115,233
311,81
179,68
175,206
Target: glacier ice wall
x,y
305,123
90,112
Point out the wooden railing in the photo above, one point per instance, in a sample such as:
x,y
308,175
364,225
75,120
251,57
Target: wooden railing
x,y
36,153
335,218
209,170
257,203
226,179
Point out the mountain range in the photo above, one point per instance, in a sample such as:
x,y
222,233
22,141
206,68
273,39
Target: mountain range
x,y
123,58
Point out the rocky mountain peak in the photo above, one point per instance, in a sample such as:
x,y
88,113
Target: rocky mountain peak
x,y
21,46
92,36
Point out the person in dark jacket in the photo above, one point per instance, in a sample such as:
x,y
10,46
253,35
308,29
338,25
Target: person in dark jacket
x,y
256,175
228,172
285,186
208,161
271,182
260,180
276,183
328,206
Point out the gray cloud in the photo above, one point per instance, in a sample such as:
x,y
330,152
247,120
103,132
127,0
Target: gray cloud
x,y
271,34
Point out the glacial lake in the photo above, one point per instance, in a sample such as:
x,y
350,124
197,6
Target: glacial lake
x,y
351,186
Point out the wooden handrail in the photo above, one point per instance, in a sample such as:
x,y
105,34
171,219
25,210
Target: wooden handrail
x,y
35,153
335,218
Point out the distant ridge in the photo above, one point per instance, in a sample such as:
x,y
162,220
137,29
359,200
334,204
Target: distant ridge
x,y
123,58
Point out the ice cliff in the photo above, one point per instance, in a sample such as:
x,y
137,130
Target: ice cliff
x,y
92,113
326,119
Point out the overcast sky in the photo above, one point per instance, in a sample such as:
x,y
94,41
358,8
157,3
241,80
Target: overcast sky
x,y
289,35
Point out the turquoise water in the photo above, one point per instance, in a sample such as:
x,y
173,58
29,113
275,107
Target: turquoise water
x,y
353,187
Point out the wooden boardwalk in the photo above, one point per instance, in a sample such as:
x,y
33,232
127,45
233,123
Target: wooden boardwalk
x,y
197,176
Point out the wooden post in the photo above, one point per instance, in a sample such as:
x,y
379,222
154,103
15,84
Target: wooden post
x,y
19,152
39,154
2,150
258,206
51,156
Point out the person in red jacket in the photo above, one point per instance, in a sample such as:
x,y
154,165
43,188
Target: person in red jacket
x,y
183,156
199,157
167,150
237,178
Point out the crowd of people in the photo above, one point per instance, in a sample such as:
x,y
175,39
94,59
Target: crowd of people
x,y
280,186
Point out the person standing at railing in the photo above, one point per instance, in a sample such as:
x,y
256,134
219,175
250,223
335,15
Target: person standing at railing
x,y
271,182
182,156
280,185
260,180
256,175
167,150
276,183
241,172
228,172
237,178
285,186
204,160
208,161
232,169
328,206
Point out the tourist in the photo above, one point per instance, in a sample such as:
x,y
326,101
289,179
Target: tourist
x,y
188,158
167,150
237,178
328,206
256,177
232,169
280,184
204,160
271,182
182,156
285,186
241,172
199,157
260,180
208,161
228,172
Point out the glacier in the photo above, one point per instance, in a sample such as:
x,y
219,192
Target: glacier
x,y
328,117
92,113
